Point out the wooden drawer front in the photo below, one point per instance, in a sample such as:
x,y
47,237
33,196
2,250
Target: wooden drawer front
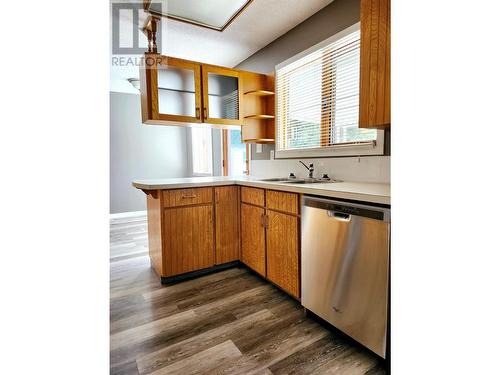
x,y
184,197
281,201
252,195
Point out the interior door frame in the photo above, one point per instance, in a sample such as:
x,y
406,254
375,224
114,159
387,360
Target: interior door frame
x,y
205,69
225,154
177,63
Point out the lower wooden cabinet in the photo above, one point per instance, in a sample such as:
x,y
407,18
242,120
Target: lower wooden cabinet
x,y
270,236
253,238
198,228
227,236
282,255
189,239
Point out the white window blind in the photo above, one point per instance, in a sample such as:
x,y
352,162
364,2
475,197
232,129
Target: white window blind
x,y
318,97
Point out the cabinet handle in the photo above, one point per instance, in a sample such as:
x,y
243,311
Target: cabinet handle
x,y
188,196
198,112
262,220
205,113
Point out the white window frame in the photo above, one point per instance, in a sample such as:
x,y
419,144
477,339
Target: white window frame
x,y
375,148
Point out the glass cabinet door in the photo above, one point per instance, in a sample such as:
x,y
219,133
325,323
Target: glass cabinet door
x,y
221,95
178,90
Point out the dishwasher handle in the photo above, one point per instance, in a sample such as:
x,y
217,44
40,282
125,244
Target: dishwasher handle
x,y
340,216
347,208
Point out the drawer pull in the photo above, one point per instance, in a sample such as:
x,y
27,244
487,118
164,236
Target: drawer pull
x,y
188,196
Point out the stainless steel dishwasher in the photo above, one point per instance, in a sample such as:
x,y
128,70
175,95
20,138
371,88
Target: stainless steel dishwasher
x,y
345,267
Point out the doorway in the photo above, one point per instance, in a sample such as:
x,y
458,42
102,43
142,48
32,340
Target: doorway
x,y
235,154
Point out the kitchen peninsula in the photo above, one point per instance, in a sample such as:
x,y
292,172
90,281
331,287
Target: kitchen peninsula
x,y
201,224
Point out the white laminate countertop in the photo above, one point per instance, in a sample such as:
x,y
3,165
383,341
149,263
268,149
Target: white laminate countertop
x,y
359,191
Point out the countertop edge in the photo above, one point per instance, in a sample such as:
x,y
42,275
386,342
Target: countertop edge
x,y
357,196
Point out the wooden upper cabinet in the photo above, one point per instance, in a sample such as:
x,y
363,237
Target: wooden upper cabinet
x,y
258,108
283,251
227,235
375,82
170,90
221,95
180,92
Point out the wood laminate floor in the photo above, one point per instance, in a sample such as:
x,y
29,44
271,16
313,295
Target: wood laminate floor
x,y
229,322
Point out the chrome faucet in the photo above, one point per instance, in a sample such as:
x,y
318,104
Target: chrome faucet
x,y
310,168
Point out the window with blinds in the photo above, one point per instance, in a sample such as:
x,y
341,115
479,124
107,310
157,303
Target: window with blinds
x,y
318,97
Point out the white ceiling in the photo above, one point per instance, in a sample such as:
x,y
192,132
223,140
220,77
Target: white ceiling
x,y
215,13
259,24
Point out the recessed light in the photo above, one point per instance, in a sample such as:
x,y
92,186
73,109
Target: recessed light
x,y
214,14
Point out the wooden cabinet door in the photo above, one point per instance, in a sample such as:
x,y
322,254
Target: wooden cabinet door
x,y
283,251
174,88
253,243
189,237
375,53
227,236
222,95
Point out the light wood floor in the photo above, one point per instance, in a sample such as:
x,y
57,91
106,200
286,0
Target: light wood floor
x,y
230,322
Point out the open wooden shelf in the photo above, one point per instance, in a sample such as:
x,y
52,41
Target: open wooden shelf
x,y
259,93
260,117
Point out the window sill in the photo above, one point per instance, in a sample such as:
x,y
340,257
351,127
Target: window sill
x,y
339,151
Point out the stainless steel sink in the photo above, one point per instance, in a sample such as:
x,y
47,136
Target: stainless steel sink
x,y
281,179
298,180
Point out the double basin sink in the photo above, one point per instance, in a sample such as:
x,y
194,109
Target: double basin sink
x,y
299,180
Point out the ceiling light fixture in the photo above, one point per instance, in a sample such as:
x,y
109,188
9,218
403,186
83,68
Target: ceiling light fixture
x,y
212,14
135,82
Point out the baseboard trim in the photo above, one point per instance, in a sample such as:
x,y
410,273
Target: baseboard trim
x,y
122,215
191,275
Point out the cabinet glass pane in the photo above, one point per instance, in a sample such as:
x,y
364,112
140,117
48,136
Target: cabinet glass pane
x,y
176,91
222,96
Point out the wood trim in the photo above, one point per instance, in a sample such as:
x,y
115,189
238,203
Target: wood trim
x,y
225,153
375,78
155,238
190,22
247,158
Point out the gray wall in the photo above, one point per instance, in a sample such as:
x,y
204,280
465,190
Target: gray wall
x,y
328,21
140,151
